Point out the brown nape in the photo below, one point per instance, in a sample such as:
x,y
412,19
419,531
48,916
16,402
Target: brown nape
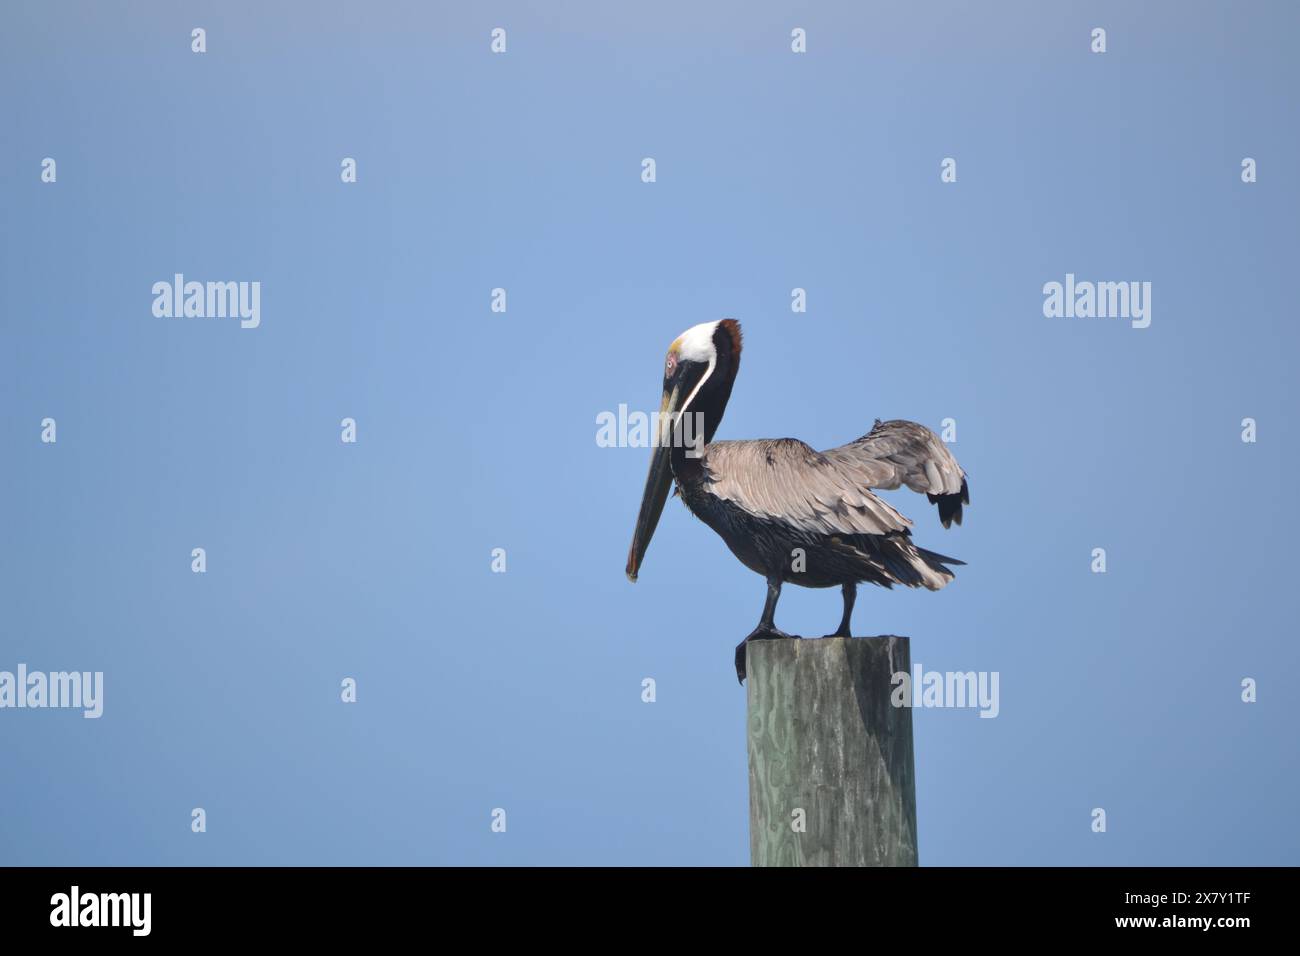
x,y
732,329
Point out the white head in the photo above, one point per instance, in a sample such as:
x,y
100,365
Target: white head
x,y
696,343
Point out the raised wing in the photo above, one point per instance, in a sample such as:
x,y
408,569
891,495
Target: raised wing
x,y
786,480
904,453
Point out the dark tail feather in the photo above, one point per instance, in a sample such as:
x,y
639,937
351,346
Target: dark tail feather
x,y
934,557
950,505
895,559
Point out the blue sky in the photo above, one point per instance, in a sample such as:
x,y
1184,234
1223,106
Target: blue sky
x,y
476,430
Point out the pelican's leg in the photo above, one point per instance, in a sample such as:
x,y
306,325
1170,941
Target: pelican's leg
x,y
766,630
850,595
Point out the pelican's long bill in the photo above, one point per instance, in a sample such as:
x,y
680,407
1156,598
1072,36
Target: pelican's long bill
x,y
657,484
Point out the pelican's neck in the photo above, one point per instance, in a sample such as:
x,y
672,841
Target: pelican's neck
x,y
705,412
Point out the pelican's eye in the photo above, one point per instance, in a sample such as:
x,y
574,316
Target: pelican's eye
x,y
671,365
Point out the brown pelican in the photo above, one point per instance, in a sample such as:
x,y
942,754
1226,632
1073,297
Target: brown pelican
x,y
788,512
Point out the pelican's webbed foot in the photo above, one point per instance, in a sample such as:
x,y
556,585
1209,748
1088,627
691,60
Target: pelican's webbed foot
x,y
760,633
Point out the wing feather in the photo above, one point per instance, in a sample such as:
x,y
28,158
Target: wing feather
x,y
786,480
897,453
830,492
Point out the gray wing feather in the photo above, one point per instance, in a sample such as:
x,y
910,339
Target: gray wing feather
x,y
830,492
786,480
902,453
899,453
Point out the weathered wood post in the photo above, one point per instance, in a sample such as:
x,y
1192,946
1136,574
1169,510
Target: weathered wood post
x,y
831,772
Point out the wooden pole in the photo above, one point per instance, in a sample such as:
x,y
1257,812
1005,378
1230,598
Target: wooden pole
x,y
828,752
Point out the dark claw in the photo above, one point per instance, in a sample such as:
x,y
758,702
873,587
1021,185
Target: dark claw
x,y
760,633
